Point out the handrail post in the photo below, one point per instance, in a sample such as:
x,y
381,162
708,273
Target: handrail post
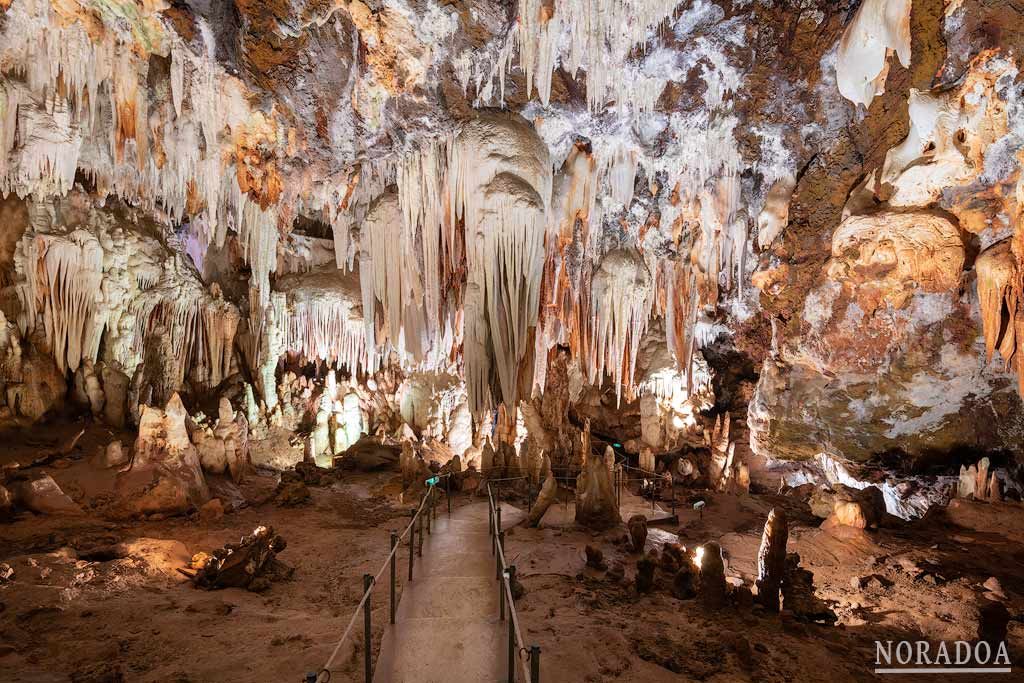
x,y
501,598
498,555
394,571
367,642
419,546
534,664
448,493
412,542
497,519
510,577
426,508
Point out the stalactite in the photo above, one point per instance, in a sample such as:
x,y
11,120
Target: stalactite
x,y
879,28
622,295
996,268
500,185
324,318
97,282
600,34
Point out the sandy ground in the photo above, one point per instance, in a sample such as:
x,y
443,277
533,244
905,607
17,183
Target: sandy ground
x,y
137,619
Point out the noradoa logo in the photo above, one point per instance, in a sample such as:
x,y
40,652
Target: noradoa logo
x,y
923,657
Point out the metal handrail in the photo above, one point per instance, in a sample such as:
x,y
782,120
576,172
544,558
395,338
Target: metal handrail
x,y
506,573
427,503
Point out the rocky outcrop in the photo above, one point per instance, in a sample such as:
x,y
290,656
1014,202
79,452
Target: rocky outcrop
x,y
31,385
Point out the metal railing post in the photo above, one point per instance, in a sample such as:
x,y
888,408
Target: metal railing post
x,y
497,520
510,577
448,493
367,642
501,598
419,546
498,555
394,571
490,514
426,508
412,542
534,664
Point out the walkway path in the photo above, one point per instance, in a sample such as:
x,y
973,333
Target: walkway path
x,y
447,622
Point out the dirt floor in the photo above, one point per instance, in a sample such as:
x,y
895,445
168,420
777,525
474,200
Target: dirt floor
x,y
136,618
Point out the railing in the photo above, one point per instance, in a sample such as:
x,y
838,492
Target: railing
x,y
428,504
505,574
652,478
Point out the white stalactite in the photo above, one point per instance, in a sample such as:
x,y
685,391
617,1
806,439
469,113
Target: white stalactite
x,y
879,28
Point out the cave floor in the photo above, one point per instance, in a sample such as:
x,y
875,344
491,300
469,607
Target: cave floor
x,y
137,619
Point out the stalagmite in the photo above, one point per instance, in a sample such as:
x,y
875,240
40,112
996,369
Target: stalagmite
x,y
225,447
595,498
771,559
711,586
718,441
166,474
637,526
546,496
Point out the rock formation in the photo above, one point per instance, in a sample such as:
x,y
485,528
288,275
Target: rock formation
x,y
595,496
225,446
166,475
545,497
711,586
637,526
771,559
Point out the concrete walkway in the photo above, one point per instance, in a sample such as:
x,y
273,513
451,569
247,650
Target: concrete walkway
x,y
447,628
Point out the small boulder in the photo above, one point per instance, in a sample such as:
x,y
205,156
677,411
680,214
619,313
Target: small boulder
x,y
42,495
743,598
211,511
616,572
